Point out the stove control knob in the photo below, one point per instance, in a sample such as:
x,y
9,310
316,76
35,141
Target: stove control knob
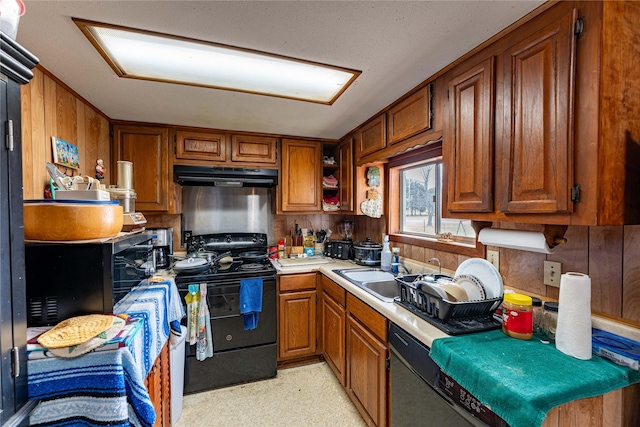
x,y
229,239
262,240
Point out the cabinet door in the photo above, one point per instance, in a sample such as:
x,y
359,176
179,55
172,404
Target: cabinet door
x,y
253,149
159,387
296,325
410,116
13,328
148,149
345,175
470,163
301,176
192,145
371,137
367,372
333,341
537,172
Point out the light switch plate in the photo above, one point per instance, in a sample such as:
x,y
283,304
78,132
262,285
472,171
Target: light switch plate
x,y
552,273
494,258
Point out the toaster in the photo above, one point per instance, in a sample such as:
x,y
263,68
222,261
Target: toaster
x,y
339,249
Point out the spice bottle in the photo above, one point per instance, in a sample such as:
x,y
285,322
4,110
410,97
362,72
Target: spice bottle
x,y
517,316
550,319
281,248
536,304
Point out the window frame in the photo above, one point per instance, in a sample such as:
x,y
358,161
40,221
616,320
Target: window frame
x,y
432,151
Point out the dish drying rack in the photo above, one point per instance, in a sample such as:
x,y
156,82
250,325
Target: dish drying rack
x,y
454,318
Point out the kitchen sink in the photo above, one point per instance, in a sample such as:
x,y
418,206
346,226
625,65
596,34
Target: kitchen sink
x,y
380,284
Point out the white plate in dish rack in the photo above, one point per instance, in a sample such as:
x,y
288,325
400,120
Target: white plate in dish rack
x,y
484,271
472,286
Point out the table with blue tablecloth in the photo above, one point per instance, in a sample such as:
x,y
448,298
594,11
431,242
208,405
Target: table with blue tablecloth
x,y
107,387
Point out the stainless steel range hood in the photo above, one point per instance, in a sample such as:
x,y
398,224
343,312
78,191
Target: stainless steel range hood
x,y
225,177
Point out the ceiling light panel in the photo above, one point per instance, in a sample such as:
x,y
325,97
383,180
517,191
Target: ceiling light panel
x,y
160,57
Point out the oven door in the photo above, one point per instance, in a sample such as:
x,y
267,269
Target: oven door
x,y
227,327
415,396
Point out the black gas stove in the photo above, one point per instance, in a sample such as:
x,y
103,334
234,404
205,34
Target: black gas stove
x,y
235,244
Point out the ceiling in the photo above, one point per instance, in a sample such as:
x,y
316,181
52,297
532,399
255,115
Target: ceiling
x,y
396,45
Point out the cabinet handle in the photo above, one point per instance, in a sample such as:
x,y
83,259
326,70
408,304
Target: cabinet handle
x,y
15,362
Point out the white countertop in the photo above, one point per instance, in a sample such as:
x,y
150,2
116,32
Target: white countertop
x,y
420,329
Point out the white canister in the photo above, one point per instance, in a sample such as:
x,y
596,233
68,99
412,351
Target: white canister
x,y
10,13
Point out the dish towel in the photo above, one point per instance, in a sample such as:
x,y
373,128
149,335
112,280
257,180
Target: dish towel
x,y
204,344
522,380
250,302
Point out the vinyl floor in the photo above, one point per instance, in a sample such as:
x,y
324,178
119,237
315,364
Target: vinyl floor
x,y
303,396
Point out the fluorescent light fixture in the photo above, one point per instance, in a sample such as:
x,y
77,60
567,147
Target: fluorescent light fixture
x,y
147,55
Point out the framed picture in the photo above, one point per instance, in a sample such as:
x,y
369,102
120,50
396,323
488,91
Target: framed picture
x,y
65,154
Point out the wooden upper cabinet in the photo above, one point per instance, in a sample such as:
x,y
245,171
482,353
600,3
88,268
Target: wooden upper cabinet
x,y
301,177
410,116
254,149
371,136
345,175
193,145
147,147
537,171
470,158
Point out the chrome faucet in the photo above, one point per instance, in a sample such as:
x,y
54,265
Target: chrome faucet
x,y
438,261
407,270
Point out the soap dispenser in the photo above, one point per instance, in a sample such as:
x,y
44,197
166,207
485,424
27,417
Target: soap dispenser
x,y
385,256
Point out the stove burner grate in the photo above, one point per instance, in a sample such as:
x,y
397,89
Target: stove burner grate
x,y
251,267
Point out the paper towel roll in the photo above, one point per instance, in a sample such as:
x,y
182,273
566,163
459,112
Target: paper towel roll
x,y
515,239
573,333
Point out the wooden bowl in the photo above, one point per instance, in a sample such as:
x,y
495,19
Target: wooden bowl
x,y
71,220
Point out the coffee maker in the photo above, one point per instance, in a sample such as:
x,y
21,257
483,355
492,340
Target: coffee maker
x,y
162,239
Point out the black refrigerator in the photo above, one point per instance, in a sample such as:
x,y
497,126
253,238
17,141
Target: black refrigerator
x,y
15,70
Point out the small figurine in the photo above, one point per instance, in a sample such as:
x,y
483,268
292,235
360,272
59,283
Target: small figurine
x,y
100,169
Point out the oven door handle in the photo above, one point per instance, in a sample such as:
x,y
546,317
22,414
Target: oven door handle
x,y
224,317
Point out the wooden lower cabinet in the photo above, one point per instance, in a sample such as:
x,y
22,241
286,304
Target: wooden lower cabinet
x,y
159,387
367,372
297,327
332,327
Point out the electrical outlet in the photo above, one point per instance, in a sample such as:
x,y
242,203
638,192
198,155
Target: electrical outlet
x,y
494,258
552,273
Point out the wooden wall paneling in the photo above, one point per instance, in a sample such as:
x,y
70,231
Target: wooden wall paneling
x,y
91,137
631,274
50,117
96,143
523,270
618,158
27,148
39,176
81,139
605,269
67,119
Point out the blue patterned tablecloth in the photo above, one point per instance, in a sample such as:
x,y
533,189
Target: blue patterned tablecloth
x,y
107,387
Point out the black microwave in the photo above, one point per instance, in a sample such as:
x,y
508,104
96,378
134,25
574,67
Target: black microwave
x,y
72,279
